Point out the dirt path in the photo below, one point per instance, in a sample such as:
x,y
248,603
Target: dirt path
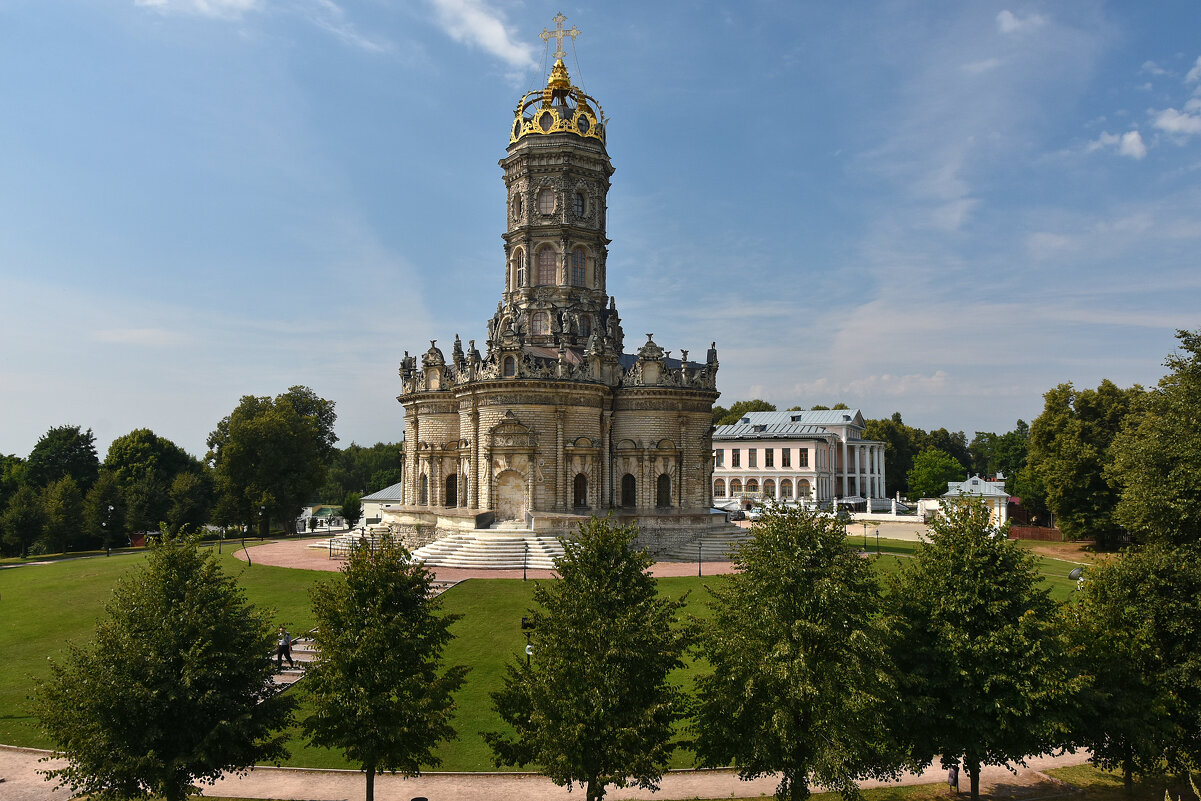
x,y
19,765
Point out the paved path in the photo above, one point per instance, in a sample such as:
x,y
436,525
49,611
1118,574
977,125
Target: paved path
x,y
297,554
19,765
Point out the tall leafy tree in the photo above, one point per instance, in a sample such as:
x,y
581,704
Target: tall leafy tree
x,y
982,665
23,521
64,451
191,498
593,704
1070,448
104,512
800,681
12,477
1156,457
63,504
175,688
1137,628
379,690
900,446
141,452
951,443
273,453
931,471
146,502
352,508
739,408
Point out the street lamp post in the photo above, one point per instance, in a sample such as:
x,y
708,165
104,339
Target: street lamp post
x,y
525,559
698,558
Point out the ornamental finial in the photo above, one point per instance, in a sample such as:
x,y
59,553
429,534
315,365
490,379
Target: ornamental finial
x,y
559,33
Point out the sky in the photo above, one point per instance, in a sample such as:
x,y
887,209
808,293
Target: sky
x,y
930,207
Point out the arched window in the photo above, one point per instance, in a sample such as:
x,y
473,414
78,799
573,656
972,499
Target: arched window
x,y
548,264
719,488
519,269
546,201
580,491
423,491
769,488
585,325
629,496
540,323
663,491
510,367
579,258
452,490
516,207
752,485
802,489
785,487
735,487
580,204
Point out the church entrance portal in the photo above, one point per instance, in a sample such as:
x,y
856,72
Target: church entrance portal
x,y
580,491
510,496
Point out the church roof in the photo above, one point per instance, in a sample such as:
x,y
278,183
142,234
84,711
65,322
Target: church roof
x,y
976,486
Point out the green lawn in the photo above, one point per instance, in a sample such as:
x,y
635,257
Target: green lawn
x,y
44,607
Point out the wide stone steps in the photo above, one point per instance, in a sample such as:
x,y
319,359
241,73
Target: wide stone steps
x,y
302,654
492,549
714,547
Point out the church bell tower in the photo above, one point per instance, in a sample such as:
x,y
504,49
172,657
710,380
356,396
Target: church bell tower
x,y
557,174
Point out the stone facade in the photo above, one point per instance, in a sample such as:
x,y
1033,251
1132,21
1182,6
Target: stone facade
x,y
555,421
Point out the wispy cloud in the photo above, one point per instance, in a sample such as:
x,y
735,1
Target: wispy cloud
x,y
1151,68
144,337
1194,75
331,17
1008,22
1179,123
1129,144
223,9
474,23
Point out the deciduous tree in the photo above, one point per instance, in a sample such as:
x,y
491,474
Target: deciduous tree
x,y
1069,449
739,408
981,662
63,451
191,498
379,690
352,509
1137,628
174,689
932,470
104,512
1156,457
23,521
63,503
800,683
273,453
593,705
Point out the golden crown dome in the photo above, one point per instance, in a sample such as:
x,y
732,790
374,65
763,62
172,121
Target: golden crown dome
x,y
560,107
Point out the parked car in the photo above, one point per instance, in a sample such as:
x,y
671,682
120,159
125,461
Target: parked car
x,y
754,514
737,514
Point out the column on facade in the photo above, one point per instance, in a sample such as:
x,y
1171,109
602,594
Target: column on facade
x,y
644,468
486,474
415,478
845,475
606,460
560,468
529,482
680,464
473,489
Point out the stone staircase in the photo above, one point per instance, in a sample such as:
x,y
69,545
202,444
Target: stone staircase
x,y
302,654
499,548
714,547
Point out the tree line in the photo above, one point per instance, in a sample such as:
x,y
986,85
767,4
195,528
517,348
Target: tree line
x,y
809,666
265,461
1106,464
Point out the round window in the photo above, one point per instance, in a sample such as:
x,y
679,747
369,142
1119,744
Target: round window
x,y
545,120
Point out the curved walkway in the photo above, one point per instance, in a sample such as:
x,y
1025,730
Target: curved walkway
x,y
18,766
297,554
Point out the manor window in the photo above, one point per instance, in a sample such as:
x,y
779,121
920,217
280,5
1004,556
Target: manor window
x,y
548,263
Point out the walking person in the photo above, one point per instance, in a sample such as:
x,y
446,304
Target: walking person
x,y
283,649
953,777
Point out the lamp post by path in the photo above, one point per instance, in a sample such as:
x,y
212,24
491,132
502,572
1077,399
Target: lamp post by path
x,y
698,558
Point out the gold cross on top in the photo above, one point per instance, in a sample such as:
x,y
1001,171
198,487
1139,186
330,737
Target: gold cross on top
x,y
559,34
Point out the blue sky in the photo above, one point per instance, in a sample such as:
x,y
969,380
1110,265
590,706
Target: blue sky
x,y
933,207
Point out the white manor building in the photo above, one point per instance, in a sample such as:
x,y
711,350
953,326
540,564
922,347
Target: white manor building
x,y
814,456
